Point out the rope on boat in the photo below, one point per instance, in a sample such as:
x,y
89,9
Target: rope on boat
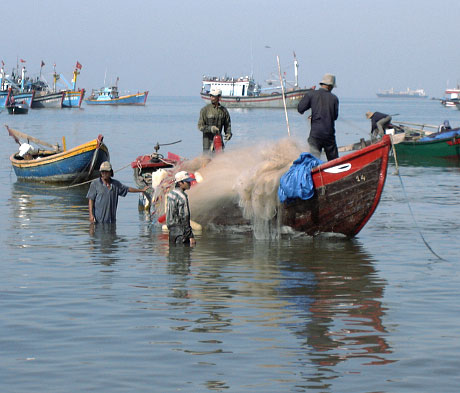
x,y
410,208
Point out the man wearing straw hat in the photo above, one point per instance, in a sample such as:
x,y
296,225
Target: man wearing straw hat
x,y
103,195
324,112
379,121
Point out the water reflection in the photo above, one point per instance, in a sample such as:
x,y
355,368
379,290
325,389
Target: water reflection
x,y
104,243
324,291
38,209
340,295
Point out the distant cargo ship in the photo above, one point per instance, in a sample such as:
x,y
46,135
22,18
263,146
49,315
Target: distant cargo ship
x,y
418,93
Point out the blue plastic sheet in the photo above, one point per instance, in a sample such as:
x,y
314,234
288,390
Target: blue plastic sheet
x,y
297,181
440,135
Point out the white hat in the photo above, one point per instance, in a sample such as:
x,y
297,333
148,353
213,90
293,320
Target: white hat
x,y
216,92
183,176
24,149
328,79
105,166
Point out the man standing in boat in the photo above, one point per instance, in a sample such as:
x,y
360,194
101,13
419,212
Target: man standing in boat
x,y
379,122
324,112
103,195
214,118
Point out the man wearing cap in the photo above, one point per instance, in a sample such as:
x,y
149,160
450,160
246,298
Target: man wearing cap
x,y
178,211
379,121
103,195
214,118
324,112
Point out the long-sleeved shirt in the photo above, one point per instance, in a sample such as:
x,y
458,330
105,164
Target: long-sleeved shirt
x,y
218,116
324,112
178,211
375,118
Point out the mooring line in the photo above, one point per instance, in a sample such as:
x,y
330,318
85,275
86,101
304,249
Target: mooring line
x,y
88,181
410,208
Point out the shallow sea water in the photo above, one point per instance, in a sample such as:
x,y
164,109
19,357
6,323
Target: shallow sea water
x,y
115,309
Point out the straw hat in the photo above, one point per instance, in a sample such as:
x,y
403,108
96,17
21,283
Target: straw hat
x,y
328,79
369,114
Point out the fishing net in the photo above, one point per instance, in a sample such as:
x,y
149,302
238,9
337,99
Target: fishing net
x,y
237,187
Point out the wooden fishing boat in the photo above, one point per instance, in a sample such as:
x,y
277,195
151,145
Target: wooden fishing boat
x,y
244,92
110,96
347,191
444,145
55,164
18,108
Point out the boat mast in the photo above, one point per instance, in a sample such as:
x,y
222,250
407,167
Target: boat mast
x,y
55,78
296,71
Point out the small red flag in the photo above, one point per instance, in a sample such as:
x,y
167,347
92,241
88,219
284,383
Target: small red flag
x,y
22,61
3,63
78,65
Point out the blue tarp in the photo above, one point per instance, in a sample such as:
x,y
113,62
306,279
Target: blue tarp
x,y
440,135
297,181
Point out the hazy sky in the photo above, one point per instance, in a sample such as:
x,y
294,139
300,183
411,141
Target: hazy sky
x,y
167,46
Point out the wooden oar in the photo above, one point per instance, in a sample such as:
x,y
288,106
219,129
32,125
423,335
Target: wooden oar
x,y
20,135
416,124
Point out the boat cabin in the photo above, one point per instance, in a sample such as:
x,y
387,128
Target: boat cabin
x,y
231,87
106,93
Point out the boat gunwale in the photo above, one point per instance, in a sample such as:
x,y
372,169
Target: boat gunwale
x,y
59,156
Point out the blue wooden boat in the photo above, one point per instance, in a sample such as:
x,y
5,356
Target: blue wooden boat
x,y
55,164
110,96
73,98
6,97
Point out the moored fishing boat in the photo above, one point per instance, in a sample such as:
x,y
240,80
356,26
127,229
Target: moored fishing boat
x,y
74,97
16,108
346,192
244,92
110,96
444,144
55,164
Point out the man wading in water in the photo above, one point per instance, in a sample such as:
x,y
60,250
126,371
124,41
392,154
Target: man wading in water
x,y
178,211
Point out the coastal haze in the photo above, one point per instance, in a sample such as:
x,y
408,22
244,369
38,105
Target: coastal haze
x,y
167,46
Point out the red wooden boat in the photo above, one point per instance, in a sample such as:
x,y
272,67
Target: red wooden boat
x,y
347,192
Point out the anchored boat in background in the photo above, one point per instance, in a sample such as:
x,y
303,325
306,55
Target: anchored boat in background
x,y
55,164
110,96
244,92
408,93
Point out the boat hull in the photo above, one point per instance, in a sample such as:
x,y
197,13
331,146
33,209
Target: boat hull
x,y
20,109
79,163
18,97
50,100
73,99
448,148
347,192
274,100
133,99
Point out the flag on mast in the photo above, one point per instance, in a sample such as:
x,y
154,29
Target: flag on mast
x,y
43,63
78,65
